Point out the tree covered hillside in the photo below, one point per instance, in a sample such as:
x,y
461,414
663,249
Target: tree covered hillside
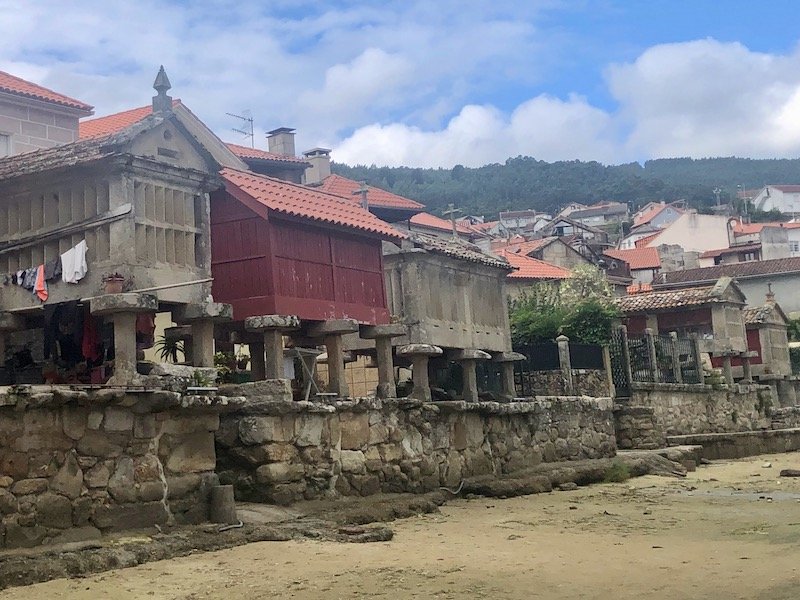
x,y
525,182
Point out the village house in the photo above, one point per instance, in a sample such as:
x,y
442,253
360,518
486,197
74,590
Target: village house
x,y
600,213
783,198
644,263
34,117
693,232
529,271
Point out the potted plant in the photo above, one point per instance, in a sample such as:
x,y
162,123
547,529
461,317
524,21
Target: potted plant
x,y
168,349
114,283
242,360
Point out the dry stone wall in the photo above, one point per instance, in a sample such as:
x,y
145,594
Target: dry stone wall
x,y
76,464
277,451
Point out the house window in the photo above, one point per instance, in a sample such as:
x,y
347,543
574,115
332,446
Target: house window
x,y
748,256
5,144
794,246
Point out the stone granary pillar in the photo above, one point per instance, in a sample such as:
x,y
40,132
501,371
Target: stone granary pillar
x,y
123,308
383,334
747,371
266,354
469,359
727,369
201,318
419,355
331,332
8,322
507,360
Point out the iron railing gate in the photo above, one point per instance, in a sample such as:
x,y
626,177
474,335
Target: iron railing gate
x,y
619,367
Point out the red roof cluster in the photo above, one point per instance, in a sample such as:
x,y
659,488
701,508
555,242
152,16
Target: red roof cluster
x,y
750,228
301,201
652,213
344,187
638,258
531,268
245,152
430,221
732,250
642,242
15,85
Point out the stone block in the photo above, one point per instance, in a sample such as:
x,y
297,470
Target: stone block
x,y
264,322
469,354
144,426
354,430
332,327
74,422
53,510
8,503
193,453
258,430
308,430
81,511
352,461
69,479
118,303
180,486
116,517
151,490
390,453
86,533
94,420
419,350
214,311
121,482
378,434
146,468
23,487
14,464
284,452
24,537
196,423
370,332
98,443
44,463
279,473
97,476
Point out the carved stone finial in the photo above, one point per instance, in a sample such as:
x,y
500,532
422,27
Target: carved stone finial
x,y
162,102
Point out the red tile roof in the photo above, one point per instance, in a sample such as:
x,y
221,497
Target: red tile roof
x,y
751,268
642,242
732,250
652,213
302,201
750,228
528,246
245,152
15,85
430,221
638,258
344,187
100,126
531,268
639,288
485,226
649,301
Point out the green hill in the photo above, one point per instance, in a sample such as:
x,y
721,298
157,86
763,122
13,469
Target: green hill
x,y
525,182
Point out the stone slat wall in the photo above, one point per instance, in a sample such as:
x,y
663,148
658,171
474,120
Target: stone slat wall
x,y
287,451
690,409
75,464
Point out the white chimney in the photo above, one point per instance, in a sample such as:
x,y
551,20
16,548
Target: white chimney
x,y
320,159
281,141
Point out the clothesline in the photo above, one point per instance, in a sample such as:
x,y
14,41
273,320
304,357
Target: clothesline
x,y
70,266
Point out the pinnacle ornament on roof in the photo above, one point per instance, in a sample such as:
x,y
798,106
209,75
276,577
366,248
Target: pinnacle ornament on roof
x,y
161,102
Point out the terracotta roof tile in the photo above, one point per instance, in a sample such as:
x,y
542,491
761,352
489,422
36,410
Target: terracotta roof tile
x,y
732,250
752,268
642,242
638,258
305,202
532,268
245,152
458,248
650,301
16,85
528,246
638,288
652,213
750,228
109,124
430,221
344,187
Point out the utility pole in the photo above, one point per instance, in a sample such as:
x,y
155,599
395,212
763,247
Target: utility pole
x,y
452,211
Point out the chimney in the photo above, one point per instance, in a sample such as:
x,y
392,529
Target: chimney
x,y
281,141
161,102
320,159
770,294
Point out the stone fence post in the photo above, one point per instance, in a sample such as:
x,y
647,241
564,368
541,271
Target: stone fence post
x,y
609,375
626,352
676,359
651,354
566,365
698,358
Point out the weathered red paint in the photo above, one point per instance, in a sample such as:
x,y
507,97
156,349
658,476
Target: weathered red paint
x,y
265,264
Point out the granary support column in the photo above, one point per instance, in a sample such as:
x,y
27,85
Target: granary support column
x,y
747,371
383,334
201,318
419,354
469,359
507,360
8,322
269,348
331,332
123,308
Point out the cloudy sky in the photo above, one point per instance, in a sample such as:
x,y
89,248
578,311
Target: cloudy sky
x,y
439,83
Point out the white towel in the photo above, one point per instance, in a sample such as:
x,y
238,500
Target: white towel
x,y
73,263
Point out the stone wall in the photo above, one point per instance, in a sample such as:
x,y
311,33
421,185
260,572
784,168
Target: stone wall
x,y
636,427
77,463
681,409
279,451
585,382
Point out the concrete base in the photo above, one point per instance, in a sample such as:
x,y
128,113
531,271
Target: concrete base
x,y
741,444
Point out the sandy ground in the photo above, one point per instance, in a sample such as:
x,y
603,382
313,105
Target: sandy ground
x,y
729,530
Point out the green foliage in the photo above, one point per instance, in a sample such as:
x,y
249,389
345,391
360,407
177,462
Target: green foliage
x,y
582,308
617,472
794,357
524,182
201,380
168,350
794,330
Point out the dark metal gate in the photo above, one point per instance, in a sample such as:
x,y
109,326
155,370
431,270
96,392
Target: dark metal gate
x,y
620,363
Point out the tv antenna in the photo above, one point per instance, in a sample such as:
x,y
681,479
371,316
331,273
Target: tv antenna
x,y
247,126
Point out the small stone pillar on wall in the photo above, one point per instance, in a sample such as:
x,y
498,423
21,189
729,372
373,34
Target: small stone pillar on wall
x,y
652,357
123,308
507,360
331,332
201,318
469,359
419,354
8,322
266,345
383,334
566,364
747,370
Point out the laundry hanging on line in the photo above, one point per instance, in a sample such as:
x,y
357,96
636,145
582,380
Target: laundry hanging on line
x,y
70,267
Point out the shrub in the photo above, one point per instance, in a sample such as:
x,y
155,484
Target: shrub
x,y
617,472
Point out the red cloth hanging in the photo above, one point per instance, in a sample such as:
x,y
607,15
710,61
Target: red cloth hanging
x,y
40,287
90,346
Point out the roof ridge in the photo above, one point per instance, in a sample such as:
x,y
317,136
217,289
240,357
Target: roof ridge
x,y
56,97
